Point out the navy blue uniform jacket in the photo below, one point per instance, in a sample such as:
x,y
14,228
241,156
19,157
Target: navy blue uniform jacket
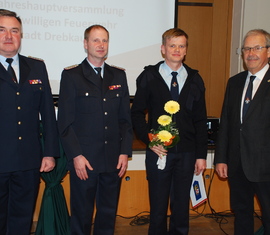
x,y
21,106
95,121
151,95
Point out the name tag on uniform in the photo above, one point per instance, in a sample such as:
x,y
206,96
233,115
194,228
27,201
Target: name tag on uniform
x,y
35,81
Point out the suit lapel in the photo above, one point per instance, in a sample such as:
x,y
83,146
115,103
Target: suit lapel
x,y
164,90
6,76
107,79
24,70
90,74
239,93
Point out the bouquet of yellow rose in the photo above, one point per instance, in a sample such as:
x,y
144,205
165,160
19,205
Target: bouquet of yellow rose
x,y
167,134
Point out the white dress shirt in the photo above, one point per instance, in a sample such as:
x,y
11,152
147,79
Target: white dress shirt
x,y
256,83
15,64
165,72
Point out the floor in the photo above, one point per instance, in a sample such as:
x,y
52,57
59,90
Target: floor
x,y
219,224
208,224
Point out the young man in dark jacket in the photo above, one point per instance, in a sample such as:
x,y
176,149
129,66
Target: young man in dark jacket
x,y
153,91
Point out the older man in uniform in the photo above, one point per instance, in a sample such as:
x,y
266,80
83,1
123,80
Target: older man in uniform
x,y
25,96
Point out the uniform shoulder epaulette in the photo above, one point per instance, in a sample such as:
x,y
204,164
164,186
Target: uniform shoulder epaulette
x,y
71,67
35,58
118,67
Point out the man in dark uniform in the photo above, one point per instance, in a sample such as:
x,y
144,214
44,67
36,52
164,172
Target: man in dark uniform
x,y
25,96
188,156
95,128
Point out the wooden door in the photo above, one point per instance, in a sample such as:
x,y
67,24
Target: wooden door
x,y
208,25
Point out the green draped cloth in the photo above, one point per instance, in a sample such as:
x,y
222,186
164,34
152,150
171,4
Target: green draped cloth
x,y
260,231
54,217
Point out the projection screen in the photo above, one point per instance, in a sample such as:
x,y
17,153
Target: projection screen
x,y
53,31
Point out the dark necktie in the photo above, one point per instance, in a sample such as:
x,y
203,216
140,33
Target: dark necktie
x,y
248,96
11,70
98,69
174,86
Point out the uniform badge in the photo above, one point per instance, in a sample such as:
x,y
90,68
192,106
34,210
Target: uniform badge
x,y
247,100
114,87
35,81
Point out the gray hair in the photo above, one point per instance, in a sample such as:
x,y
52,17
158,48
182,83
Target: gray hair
x,y
254,32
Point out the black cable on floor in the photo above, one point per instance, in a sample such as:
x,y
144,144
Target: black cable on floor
x,y
219,217
138,220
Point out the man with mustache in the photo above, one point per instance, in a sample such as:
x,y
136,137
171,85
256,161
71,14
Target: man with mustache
x,y
243,146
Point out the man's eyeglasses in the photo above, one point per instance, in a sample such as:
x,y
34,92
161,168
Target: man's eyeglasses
x,y
255,49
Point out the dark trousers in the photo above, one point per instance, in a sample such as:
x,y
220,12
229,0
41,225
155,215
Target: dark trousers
x,y
18,193
175,181
242,193
100,188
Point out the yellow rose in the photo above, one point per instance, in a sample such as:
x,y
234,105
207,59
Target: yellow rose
x,y
172,107
164,136
164,120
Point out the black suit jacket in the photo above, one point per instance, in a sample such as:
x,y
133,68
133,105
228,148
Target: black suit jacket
x,y
21,106
151,95
95,121
247,142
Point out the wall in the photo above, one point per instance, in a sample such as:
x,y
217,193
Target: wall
x,y
247,15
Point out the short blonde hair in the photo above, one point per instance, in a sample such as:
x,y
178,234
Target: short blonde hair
x,y
174,32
